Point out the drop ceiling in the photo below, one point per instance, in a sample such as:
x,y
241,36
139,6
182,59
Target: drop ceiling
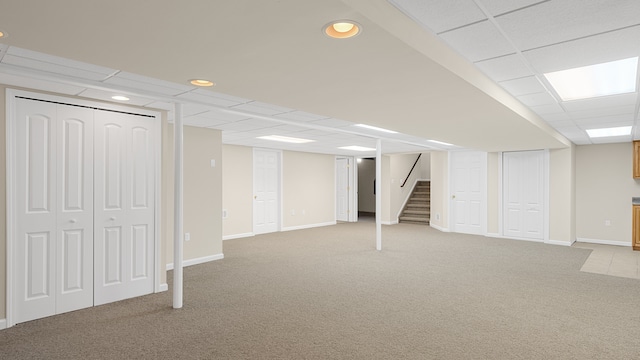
x,y
463,72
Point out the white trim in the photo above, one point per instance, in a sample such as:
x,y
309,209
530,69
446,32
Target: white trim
x,y
3,324
493,235
198,261
279,197
559,242
395,222
546,231
500,194
163,287
439,228
309,226
604,242
238,236
10,178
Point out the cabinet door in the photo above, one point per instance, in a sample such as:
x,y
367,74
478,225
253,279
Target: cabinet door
x,y
636,159
636,227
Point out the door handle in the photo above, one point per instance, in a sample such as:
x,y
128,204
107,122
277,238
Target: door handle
x,y
255,196
73,221
453,196
112,218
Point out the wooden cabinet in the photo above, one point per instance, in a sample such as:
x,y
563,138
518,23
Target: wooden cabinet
x,y
636,159
635,241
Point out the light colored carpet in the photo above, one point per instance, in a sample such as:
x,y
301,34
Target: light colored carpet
x,y
326,293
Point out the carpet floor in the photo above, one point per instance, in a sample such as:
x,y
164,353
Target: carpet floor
x,y
326,293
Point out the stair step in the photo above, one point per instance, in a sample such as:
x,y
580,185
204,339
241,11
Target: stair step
x,y
414,219
416,212
418,206
415,222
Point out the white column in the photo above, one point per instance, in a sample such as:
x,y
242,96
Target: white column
x,y
178,207
379,194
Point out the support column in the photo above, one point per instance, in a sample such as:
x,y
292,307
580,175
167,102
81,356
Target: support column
x,y
379,195
178,207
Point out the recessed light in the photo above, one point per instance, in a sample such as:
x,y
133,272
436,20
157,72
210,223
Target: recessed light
x,y
356,148
3,34
285,139
202,82
611,78
342,29
375,128
606,132
120,98
440,142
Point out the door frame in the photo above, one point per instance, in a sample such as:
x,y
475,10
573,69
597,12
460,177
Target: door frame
x,y
545,196
352,195
279,211
10,209
483,195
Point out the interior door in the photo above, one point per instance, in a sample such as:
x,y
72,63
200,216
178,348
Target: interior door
x,y
54,209
342,189
266,184
124,206
468,181
523,194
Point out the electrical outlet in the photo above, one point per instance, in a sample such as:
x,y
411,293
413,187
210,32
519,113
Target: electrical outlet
x,y
607,223
293,212
304,212
437,216
187,236
224,213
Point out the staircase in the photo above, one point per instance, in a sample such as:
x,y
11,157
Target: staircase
x,y
418,210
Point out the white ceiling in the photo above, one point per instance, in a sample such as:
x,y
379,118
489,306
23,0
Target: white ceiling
x,y
516,42
467,72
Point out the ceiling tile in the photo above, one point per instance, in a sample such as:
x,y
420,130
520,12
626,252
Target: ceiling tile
x,y
523,86
147,84
53,64
222,115
203,122
543,98
597,49
301,116
194,109
544,110
556,117
33,83
601,102
106,96
332,123
613,139
439,16
505,68
161,105
497,7
262,108
604,122
603,112
557,21
213,98
479,41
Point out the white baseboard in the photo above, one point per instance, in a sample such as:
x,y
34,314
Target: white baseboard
x,y
604,242
309,226
197,261
3,324
439,228
389,222
238,236
164,287
559,242
493,235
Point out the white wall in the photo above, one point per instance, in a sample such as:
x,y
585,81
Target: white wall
x,y
237,190
562,216
440,190
604,188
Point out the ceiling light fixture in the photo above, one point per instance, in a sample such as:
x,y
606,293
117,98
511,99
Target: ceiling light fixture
x,y
607,132
342,29
120,98
375,128
356,148
440,142
202,82
3,34
285,139
611,78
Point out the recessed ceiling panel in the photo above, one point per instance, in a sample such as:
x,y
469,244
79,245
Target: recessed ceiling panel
x,y
497,7
523,86
479,41
592,50
439,16
557,21
505,68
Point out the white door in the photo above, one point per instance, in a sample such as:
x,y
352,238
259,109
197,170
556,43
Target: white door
x,y
266,196
523,194
342,189
468,187
124,206
54,209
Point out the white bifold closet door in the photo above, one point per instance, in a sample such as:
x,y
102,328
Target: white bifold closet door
x,y
124,206
54,203
85,190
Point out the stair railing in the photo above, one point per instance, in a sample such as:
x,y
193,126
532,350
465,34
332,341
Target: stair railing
x,y
410,171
